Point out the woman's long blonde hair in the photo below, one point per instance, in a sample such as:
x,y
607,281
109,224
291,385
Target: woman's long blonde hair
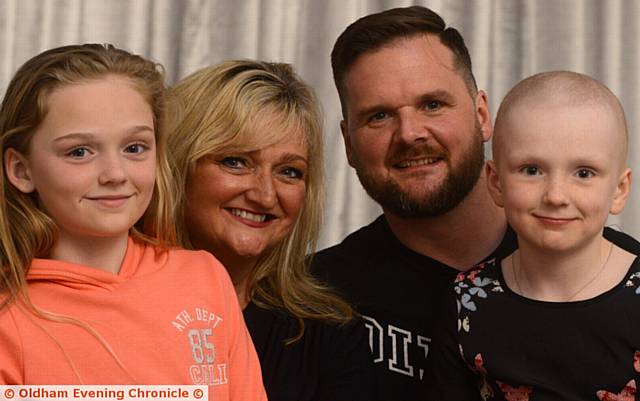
x,y
26,231
215,111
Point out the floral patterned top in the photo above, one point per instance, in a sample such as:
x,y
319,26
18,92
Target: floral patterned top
x,y
497,345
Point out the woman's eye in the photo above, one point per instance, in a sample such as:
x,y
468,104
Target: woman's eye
x,y
291,172
233,162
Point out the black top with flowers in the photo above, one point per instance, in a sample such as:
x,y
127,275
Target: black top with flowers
x,y
494,344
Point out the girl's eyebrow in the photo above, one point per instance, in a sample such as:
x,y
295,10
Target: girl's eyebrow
x,y
139,128
88,135
75,135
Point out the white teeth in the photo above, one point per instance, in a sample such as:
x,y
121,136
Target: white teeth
x,y
413,163
258,218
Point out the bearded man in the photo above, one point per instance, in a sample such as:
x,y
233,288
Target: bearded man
x,y
414,125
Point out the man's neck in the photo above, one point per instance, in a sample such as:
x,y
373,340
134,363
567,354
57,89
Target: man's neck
x,y
459,238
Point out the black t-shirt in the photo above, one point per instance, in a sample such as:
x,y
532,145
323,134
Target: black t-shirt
x,y
399,292
494,344
329,363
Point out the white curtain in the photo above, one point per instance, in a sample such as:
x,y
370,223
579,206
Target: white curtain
x,y
508,40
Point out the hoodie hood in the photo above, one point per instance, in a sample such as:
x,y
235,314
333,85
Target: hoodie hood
x,y
80,276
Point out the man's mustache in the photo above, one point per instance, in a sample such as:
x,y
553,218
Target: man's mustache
x,y
421,151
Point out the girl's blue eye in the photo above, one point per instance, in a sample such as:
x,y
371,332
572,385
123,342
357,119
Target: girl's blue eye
x,y
531,170
135,148
585,173
78,152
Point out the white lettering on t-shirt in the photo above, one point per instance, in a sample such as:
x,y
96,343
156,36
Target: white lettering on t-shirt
x,y
399,361
200,328
423,342
400,348
375,338
182,319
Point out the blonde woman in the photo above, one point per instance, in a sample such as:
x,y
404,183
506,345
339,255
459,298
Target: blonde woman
x,y
246,141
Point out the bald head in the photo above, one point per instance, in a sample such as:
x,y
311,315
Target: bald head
x,y
557,91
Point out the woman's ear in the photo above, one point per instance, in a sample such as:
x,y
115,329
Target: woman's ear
x,y
493,183
622,192
16,167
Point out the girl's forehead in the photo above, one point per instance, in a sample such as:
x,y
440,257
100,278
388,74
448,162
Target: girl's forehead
x,y
99,107
569,132
587,122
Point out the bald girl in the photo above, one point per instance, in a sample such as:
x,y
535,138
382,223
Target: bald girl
x,y
559,169
559,318
559,92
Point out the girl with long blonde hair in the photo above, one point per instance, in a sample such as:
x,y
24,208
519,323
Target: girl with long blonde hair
x,y
91,291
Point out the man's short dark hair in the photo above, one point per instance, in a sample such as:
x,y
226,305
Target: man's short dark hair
x,y
372,32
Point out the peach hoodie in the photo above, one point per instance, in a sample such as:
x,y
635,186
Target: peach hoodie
x,y
170,317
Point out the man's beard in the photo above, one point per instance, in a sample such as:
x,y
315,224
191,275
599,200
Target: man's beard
x,y
441,198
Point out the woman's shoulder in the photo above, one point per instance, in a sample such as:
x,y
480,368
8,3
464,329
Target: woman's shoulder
x,y
347,342
315,330
332,360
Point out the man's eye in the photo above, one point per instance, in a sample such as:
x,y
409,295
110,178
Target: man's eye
x,y
433,105
381,115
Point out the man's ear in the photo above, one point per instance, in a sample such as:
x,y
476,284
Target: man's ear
x,y
622,192
17,168
493,183
483,115
347,141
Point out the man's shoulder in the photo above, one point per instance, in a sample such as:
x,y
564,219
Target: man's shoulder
x,y
355,245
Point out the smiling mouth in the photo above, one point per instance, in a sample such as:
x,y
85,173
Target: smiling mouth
x,y
111,201
256,217
555,220
417,162
109,197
